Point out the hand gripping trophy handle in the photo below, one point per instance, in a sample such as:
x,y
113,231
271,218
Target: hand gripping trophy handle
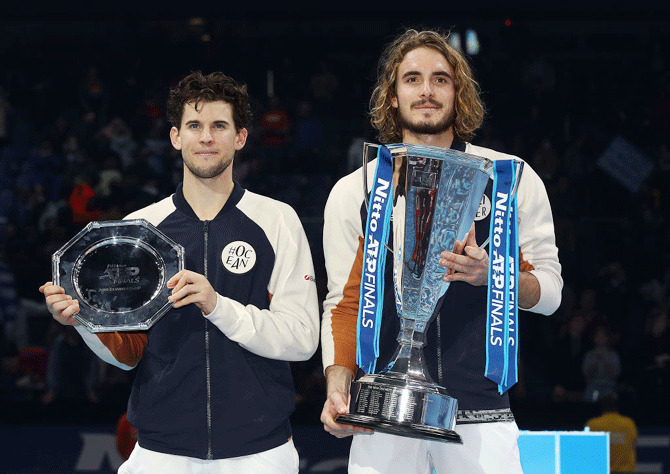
x,y
436,196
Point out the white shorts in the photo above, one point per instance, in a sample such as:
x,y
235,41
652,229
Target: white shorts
x,y
488,448
280,460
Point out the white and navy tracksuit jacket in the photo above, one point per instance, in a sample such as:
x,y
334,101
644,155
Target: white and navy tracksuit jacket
x,y
459,363
219,385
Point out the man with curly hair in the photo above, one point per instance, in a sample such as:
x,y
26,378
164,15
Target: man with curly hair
x,y
426,95
213,390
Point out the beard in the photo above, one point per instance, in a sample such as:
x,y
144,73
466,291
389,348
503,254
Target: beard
x,y
427,128
207,172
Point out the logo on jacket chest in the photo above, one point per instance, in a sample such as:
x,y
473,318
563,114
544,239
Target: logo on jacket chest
x,y
238,257
484,208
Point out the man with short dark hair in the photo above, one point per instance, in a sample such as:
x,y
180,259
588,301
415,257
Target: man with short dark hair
x,y
213,390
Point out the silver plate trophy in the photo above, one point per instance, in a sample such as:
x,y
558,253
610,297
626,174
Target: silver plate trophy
x,y
436,196
118,271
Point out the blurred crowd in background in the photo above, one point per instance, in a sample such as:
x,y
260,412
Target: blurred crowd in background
x,y
83,137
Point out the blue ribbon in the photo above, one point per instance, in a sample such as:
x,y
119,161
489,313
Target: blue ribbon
x,y
502,312
512,375
377,227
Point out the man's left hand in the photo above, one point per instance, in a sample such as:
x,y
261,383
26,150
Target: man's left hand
x,y
190,287
467,262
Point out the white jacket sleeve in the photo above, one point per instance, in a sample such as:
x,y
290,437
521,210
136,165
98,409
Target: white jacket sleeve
x,y
342,240
537,241
289,329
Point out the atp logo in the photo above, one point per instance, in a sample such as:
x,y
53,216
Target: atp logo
x,y
118,273
238,257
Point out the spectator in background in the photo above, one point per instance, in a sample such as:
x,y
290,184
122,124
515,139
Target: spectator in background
x,y
4,115
623,434
656,355
288,79
155,148
309,139
657,342
71,371
56,217
660,115
78,162
71,150
94,98
545,159
538,75
12,156
362,132
58,131
567,361
30,367
589,310
119,138
247,168
82,203
324,86
275,124
619,305
9,306
30,202
23,362
601,367
275,128
25,255
110,177
657,197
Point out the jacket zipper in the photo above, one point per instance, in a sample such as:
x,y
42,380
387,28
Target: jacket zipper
x,y
210,455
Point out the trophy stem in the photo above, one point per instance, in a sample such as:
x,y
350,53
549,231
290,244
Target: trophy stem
x,y
408,358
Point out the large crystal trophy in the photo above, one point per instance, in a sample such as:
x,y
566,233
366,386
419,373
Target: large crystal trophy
x,y
437,193
118,271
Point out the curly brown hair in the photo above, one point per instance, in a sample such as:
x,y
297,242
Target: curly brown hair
x,y
469,107
196,88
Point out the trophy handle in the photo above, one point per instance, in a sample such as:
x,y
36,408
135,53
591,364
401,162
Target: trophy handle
x,y
519,171
369,150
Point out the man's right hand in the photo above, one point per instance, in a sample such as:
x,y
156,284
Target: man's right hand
x,y
61,306
338,381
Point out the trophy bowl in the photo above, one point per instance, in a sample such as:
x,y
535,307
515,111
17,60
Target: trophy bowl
x,y
118,271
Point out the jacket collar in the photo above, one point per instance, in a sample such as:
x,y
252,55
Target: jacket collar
x,y
458,145
183,206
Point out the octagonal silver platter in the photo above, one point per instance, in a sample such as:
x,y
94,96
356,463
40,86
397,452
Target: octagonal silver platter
x,y
118,270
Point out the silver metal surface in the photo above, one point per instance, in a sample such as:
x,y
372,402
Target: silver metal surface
x,y
402,405
118,271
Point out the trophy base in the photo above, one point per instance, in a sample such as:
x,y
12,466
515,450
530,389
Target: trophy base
x,y
402,405
409,431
